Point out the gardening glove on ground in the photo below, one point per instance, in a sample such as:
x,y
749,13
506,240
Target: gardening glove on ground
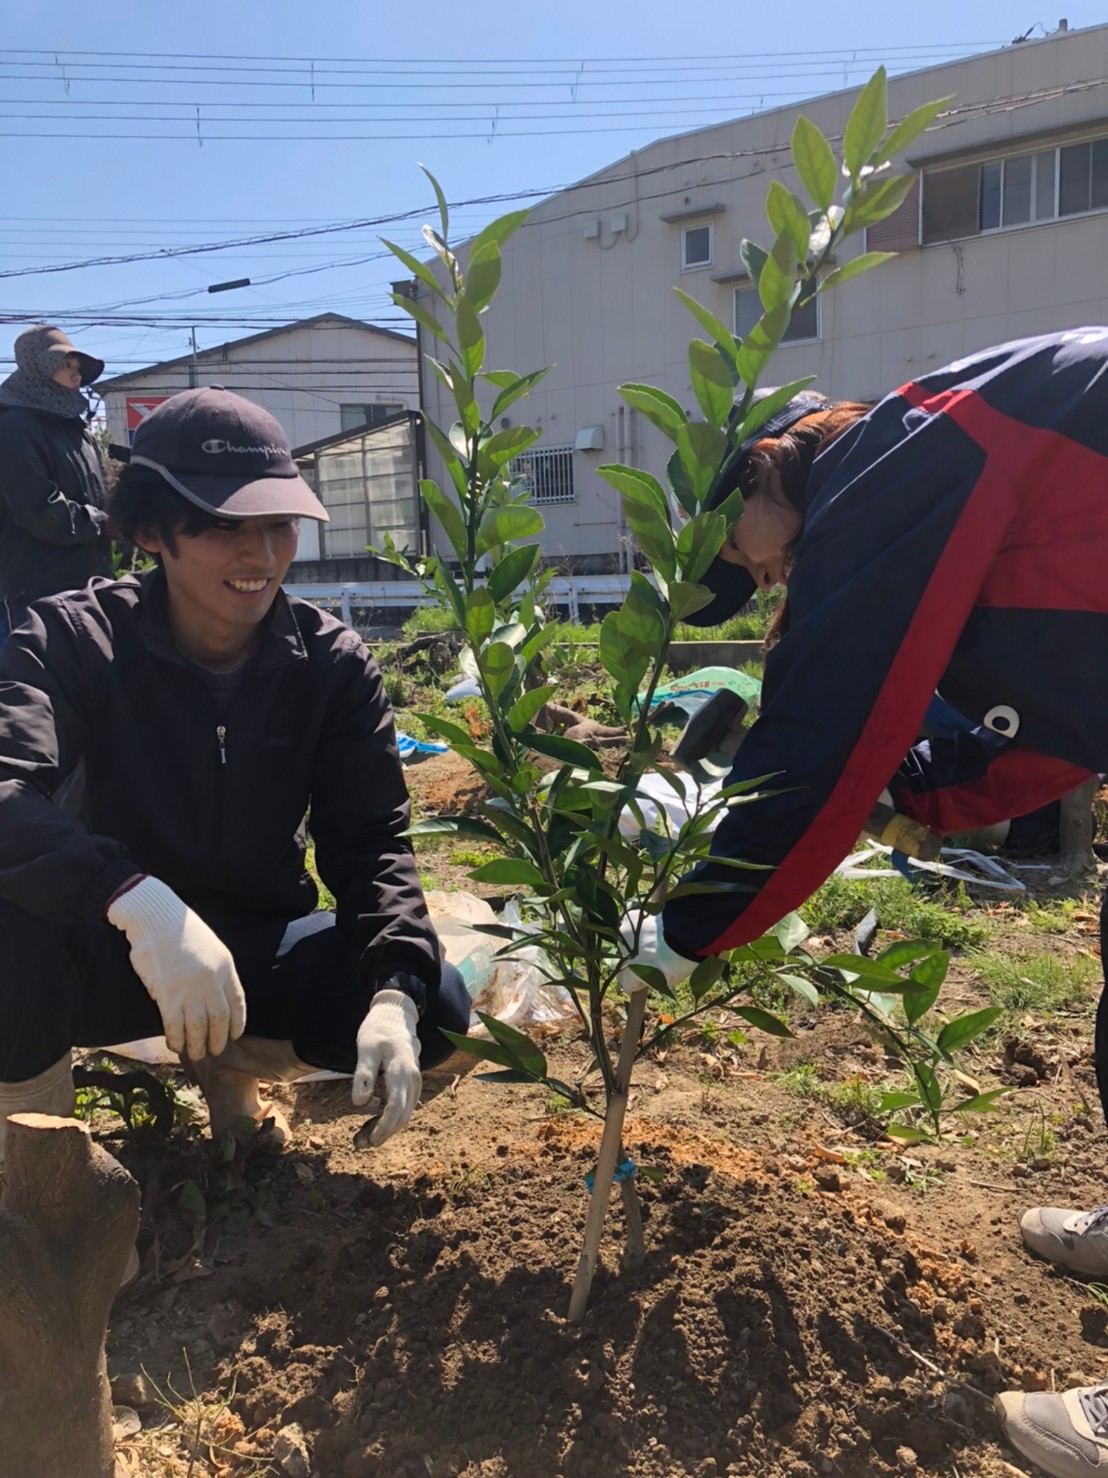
x,y
653,951
187,969
388,1046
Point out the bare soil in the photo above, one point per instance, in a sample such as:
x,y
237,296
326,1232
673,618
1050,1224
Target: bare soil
x,y
815,1300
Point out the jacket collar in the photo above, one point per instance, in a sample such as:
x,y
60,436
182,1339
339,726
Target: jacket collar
x,y
282,642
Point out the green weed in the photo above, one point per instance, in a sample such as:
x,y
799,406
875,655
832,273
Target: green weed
x,y
940,915
1037,980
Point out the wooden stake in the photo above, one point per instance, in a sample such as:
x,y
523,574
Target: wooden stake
x,y
608,1157
68,1218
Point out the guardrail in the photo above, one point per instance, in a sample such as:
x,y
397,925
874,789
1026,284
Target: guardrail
x,y
571,591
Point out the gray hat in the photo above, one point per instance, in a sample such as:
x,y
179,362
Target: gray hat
x,y
42,348
226,455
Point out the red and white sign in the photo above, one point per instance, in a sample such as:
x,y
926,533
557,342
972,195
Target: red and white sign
x,y
138,408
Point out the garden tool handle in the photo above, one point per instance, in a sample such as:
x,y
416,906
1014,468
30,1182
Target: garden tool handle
x,y
903,834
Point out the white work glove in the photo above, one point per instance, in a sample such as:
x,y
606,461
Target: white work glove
x,y
654,951
187,969
388,1045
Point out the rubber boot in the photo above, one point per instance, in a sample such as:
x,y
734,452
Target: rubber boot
x,y
230,1084
50,1092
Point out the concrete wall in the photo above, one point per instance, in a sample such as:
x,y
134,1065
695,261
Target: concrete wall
x,y
600,306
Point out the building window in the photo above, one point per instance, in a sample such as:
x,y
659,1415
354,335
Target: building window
x,y
547,473
804,325
696,247
1018,190
354,416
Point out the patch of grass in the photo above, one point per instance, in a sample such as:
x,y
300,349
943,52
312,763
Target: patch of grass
x,y
855,1101
471,856
1055,917
1034,979
942,914
326,897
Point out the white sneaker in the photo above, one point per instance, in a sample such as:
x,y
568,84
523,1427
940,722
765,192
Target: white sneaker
x,y
1076,1239
1065,1434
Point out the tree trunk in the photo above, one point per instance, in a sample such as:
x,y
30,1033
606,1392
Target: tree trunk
x,y
68,1218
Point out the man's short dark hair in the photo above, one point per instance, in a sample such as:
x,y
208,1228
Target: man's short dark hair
x,y
142,502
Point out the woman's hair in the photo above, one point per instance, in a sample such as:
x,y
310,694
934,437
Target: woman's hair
x,y
778,467
142,502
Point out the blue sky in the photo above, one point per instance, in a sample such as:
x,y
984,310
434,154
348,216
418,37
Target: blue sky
x,y
504,97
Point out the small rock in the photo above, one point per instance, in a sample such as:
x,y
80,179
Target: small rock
x,y
907,1459
827,1178
895,1221
290,1452
1040,1162
126,1423
1020,1172
131,1388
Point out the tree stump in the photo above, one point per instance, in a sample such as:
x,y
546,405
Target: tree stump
x,y
68,1218
1075,830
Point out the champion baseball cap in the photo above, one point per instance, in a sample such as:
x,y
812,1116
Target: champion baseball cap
x,y
730,584
226,455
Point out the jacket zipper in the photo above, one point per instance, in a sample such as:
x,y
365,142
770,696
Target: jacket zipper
x,y
217,809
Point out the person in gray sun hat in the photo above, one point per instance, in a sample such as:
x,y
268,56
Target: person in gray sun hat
x,y
217,721
53,521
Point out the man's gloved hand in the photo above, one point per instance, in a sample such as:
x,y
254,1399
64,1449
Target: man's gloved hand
x,y
187,969
388,1045
654,951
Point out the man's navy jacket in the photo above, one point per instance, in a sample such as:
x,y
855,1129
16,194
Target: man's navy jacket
x,y
956,539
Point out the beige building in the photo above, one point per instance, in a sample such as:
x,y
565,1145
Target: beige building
x,y
1003,236
319,377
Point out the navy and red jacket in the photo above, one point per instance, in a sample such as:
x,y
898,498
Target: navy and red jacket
x,y
955,540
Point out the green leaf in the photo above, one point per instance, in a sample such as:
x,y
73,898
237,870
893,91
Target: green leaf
x,y
504,525
416,267
786,213
471,337
660,409
865,128
802,987
904,951
483,275
867,969
470,826
480,615
711,381
509,870
980,1102
854,268
511,571
452,595
777,283
423,316
685,598
192,1200
899,1099
875,202
719,332
502,446
523,710
906,1134
791,931
498,663
760,343
500,230
963,1029
753,259
762,1020
445,729
815,162
698,542
647,489
479,1048
515,389
446,511
557,747
444,213
702,449
619,656
770,404
910,128
917,1003
930,1091
449,454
